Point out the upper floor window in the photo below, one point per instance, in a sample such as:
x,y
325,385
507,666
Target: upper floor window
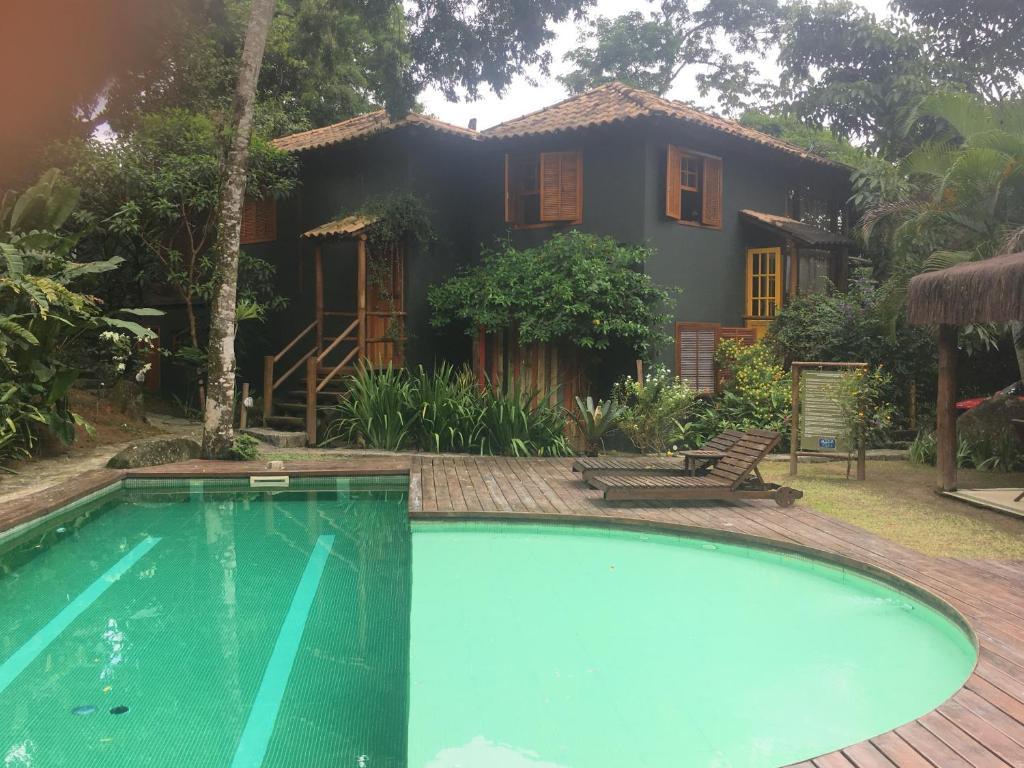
x,y
543,187
259,221
693,187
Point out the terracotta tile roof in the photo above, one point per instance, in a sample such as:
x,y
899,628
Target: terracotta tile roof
x,y
615,102
349,225
808,234
604,105
361,126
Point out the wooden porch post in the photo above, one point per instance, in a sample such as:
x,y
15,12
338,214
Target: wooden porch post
x,y
318,257
268,386
794,268
794,421
945,410
311,364
361,299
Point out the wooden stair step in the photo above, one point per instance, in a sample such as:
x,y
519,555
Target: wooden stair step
x,y
287,423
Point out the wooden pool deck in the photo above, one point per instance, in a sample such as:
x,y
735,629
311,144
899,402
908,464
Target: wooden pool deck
x,y
981,725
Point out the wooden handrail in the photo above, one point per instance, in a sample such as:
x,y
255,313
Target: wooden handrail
x,y
293,342
371,313
338,367
344,334
295,367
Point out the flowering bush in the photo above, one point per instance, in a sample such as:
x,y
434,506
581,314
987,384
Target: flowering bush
x,y
653,411
756,394
863,406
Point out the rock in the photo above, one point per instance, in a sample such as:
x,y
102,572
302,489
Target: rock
x,y
278,438
990,423
160,450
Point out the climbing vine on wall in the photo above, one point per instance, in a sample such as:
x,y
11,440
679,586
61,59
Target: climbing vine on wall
x,y
401,219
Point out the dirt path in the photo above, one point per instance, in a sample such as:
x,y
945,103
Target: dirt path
x,y
39,474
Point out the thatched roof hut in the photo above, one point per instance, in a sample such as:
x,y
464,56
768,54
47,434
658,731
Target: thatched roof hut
x,y
989,291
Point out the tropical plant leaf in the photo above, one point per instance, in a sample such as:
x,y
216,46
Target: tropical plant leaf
x,y
138,330
12,328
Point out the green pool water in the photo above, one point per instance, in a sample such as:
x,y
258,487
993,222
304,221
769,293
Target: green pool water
x,y
315,627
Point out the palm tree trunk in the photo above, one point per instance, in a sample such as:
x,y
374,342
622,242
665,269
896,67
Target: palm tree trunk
x,y
220,391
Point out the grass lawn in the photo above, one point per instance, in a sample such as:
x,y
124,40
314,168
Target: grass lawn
x,y
898,501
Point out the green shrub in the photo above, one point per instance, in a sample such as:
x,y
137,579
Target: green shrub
x,y
46,323
923,449
445,411
756,394
653,411
245,448
376,411
860,325
996,453
576,288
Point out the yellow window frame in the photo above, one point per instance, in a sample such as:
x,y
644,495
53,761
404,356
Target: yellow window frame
x,y
763,283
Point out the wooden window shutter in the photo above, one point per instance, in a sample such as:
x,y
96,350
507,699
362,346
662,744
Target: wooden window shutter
x,y
695,355
509,218
259,221
712,199
745,336
673,184
561,186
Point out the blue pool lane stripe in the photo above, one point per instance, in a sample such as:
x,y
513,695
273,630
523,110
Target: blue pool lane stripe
x,y
252,747
25,655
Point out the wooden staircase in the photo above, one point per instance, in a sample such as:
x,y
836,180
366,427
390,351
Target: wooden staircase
x,y
320,383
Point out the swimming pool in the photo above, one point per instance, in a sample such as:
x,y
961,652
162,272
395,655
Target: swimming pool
x,y
204,624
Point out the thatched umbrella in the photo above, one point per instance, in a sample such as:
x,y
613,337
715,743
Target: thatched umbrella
x,y
989,291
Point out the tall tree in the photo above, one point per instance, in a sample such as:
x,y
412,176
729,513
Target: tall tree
x,y
984,37
651,51
220,393
963,192
455,43
863,76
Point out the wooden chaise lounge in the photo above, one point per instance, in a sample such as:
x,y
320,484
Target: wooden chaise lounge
x,y
713,450
734,476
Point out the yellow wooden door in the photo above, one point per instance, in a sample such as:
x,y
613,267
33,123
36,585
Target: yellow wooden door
x,y
763,288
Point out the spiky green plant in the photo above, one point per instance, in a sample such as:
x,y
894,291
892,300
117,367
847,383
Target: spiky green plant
x,y
595,421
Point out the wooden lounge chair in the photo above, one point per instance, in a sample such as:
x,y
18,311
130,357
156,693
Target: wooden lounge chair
x,y
712,451
734,476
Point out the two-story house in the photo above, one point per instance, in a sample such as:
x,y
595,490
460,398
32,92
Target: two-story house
x,y
737,219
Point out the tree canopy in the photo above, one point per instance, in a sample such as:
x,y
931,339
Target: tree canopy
x,y
651,51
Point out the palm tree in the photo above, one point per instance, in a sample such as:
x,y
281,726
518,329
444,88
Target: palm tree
x,y
966,199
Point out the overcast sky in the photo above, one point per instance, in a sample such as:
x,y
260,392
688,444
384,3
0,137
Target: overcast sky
x,y
522,97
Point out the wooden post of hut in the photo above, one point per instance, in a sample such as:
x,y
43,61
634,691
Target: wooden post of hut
x,y
988,291
945,409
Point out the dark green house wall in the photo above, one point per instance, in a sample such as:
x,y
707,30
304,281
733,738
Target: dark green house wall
x,y
462,182
339,180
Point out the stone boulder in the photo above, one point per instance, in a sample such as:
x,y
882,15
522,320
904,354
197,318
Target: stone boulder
x,y
160,450
991,422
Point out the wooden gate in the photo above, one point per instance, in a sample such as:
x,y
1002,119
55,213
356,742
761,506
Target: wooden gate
x,y
549,372
385,308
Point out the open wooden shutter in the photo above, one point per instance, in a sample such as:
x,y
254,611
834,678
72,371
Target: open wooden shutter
x,y
712,200
695,355
673,184
561,186
259,221
508,194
